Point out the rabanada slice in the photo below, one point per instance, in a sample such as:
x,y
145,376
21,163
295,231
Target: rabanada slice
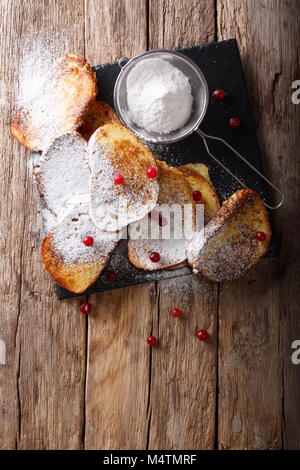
x,y
173,190
227,247
68,92
199,183
71,263
63,170
114,150
99,115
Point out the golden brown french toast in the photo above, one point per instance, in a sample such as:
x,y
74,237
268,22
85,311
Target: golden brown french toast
x,y
199,183
201,169
173,190
228,246
115,151
99,115
63,170
71,263
67,94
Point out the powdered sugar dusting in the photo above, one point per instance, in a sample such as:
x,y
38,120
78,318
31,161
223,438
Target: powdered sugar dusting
x,y
112,206
63,171
52,96
218,254
73,224
38,52
156,91
49,219
172,252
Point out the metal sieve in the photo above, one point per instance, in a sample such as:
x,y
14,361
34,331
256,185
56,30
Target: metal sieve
x,y
200,102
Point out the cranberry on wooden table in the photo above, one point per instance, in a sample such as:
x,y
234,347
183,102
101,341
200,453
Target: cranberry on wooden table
x,y
85,308
176,312
151,340
202,335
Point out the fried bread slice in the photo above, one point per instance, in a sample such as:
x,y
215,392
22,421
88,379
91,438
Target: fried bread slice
x,y
201,169
99,115
199,183
73,265
174,191
114,150
63,170
227,246
65,97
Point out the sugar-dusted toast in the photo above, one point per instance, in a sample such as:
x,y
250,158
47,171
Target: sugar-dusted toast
x,y
201,169
194,175
228,246
113,151
63,170
99,115
173,190
68,92
71,263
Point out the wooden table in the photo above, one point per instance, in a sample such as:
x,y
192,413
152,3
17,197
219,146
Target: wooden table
x,y
74,382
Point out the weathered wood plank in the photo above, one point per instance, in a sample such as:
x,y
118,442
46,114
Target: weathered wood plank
x,y
180,23
118,368
42,385
268,36
12,226
118,355
250,369
183,384
183,380
114,28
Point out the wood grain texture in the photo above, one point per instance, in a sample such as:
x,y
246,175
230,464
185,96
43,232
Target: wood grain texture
x,y
42,385
268,36
183,373
250,368
118,368
114,29
118,355
180,23
12,226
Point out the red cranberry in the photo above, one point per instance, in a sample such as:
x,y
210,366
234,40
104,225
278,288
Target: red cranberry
x,y
152,172
197,195
111,275
219,94
261,236
119,179
234,123
85,308
154,257
202,335
86,127
176,312
151,340
162,221
88,241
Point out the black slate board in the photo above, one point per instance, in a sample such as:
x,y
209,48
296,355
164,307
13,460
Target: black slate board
x,y
220,62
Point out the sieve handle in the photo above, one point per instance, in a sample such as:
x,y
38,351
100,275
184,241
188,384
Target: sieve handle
x,y
206,136
123,61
